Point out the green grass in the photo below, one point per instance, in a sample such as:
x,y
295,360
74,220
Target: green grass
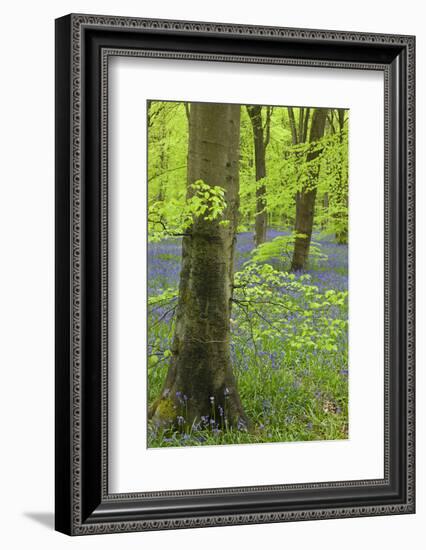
x,y
288,394
304,398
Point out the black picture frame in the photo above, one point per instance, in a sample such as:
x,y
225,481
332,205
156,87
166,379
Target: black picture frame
x,y
83,45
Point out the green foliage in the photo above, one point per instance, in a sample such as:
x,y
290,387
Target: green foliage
x,y
289,338
279,251
268,298
164,297
161,307
288,172
332,217
289,355
175,217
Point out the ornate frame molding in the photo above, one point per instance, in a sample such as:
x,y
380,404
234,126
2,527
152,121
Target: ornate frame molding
x,y
72,47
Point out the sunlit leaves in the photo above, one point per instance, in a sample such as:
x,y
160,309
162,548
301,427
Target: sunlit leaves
x,y
281,305
165,297
288,172
174,218
288,332
279,250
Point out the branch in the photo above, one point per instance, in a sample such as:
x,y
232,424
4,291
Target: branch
x,y
267,128
172,234
301,120
161,303
306,124
187,110
239,302
330,121
166,172
158,321
292,125
244,309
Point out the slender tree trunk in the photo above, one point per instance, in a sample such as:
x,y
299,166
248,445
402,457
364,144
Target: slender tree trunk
x,y
292,120
304,134
200,382
325,204
260,144
305,199
186,105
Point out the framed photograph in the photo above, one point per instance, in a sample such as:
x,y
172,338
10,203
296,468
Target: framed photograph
x,y
234,274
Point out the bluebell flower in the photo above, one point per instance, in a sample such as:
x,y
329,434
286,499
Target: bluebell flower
x,y
241,425
266,404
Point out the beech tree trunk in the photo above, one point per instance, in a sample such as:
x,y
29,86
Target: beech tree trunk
x,y
260,144
200,383
305,199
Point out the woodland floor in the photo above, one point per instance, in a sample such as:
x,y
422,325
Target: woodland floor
x,y
288,395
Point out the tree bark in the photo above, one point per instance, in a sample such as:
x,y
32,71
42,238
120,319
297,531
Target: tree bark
x,y
260,144
305,126
200,382
292,120
305,199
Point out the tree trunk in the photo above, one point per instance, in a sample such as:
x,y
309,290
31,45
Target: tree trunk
x,y
200,383
325,204
260,144
305,199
